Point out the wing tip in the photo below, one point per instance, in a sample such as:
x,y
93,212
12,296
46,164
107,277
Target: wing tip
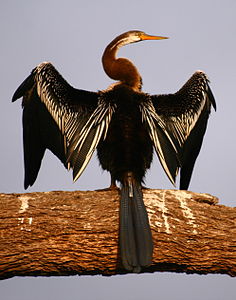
x,y
209,92
28,82
25,86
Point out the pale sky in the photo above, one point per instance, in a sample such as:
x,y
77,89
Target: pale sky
x,y
72,35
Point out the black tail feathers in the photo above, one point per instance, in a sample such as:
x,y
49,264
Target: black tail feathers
x,y
136,245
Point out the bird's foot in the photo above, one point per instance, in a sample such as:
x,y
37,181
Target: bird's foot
x,y
112,187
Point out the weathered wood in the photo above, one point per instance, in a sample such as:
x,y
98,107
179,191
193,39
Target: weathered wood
x,y
65,233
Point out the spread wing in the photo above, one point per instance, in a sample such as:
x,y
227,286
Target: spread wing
x,y
185,115
68,121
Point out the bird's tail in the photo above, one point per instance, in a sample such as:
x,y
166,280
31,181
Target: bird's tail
x,y
135,234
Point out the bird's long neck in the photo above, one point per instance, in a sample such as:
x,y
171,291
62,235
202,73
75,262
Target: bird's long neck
x,y
120,69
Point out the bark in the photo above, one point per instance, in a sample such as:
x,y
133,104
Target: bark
x,y
66,233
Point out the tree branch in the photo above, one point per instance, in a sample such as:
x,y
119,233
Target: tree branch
x,y
66,233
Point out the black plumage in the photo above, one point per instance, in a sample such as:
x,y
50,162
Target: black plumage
x,y
125,125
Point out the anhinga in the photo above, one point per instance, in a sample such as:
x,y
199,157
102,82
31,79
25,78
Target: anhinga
x,y
124,125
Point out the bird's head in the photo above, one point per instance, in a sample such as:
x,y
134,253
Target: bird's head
x,y
134,36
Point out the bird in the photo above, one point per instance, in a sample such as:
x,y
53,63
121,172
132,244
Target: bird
x,y
124,125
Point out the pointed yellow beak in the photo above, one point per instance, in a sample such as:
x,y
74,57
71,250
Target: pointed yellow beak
x,y
145,36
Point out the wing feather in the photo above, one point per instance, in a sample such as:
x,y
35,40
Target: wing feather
x,y
161,138
79,120
185,115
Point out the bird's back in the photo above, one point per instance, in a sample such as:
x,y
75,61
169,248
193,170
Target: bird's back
x,y
127,147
